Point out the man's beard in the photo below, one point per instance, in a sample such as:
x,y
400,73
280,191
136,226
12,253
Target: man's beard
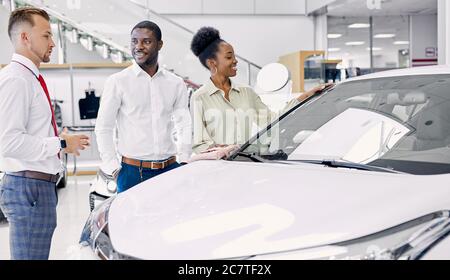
x,y
152,60
46,59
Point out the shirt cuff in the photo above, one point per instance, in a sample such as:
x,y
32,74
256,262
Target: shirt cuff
x,y
294,102
110,167
53,146
183,157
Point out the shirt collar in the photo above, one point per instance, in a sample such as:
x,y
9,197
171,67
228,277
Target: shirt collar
x,y
27,62
211,88
138,70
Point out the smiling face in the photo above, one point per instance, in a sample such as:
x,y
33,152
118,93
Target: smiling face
x,y
225,61
145,47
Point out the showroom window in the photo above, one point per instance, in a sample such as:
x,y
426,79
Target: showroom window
x,y
369,44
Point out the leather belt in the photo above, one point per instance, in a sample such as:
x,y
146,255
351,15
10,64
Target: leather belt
x,y
36,175
149,164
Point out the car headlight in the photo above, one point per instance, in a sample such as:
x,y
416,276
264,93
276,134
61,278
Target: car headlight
x,y
96,233
409,241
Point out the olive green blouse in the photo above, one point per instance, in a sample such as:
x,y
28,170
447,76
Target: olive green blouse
x,y
217,121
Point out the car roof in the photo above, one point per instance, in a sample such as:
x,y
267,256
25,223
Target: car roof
x,y
426,70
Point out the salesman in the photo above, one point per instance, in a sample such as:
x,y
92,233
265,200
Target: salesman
x,y
29,141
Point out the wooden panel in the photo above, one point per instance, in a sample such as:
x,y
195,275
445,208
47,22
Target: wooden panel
x,y
292,62
295,63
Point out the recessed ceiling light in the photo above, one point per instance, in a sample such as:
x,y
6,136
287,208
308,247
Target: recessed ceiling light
x,y
401,43
334,36
359,25
357,43
375,49
383,36
333,49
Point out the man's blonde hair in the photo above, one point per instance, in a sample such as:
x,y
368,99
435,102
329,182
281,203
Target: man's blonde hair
x,y
24,15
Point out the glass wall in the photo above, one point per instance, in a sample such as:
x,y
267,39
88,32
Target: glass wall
x,y
369,44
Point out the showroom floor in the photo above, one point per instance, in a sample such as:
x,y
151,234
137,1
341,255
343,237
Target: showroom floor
x,y
73,210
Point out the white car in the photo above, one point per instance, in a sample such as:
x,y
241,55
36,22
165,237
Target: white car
x,y
101,188
358,172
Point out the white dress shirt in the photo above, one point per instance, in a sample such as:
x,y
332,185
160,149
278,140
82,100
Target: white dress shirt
x,y
27,138
145,110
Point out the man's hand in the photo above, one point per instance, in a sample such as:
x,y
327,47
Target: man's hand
x,y
75,142
107,177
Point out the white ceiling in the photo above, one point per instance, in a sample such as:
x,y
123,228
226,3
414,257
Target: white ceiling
x,y
361,8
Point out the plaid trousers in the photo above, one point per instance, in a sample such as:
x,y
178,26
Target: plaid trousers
x,y
30,207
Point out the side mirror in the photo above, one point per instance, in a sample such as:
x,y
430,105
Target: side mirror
x,y
273,77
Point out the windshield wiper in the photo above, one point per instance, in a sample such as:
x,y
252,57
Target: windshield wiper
x,y
254,157
347,164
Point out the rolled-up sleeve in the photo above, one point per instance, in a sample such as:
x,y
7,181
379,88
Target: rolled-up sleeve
x,y
201,139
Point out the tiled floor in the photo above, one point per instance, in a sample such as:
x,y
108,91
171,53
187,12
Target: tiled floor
x,y
73,210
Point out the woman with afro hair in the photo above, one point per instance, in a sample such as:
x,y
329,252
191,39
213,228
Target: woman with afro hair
x,y
224,113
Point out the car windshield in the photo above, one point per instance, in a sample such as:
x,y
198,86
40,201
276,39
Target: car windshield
x,y
398,123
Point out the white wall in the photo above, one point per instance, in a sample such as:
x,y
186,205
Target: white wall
x,y
6,49
423,35
444,31
75,53
312,5
261,39
242,7
321,32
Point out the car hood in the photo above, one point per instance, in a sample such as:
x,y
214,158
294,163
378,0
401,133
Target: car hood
x,y
222,209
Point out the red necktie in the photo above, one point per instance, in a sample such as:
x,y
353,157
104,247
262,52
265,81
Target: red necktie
x,y
44,87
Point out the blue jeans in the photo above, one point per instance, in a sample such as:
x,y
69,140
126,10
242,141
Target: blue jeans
x,y
30,207
129,176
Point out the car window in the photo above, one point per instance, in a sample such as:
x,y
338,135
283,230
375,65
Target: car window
x,y
401,123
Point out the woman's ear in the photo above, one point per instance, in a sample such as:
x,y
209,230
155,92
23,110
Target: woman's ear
x,y
211,63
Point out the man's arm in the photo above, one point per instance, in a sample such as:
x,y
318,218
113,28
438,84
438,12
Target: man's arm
x,y
182,123
104,129
15,142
